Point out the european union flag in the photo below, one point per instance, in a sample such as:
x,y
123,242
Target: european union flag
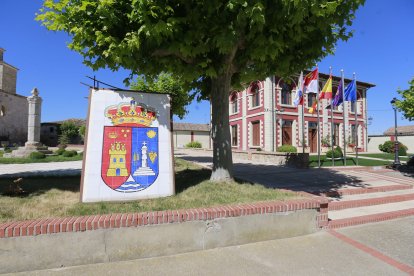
x,y
351,92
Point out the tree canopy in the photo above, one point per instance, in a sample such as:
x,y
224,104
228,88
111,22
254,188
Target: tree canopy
x,y
406,105
167,83
213,45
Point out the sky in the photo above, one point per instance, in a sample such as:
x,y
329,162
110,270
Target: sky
x,y
380,52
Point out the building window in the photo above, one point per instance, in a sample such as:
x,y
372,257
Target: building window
x,y
2,111
255,97
353,106
121,159
114,160
286,94
234,141
256,134
353,135
234,103
311,99
51,129
336,135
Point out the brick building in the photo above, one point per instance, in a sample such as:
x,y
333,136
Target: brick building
x,y
253,125
13,107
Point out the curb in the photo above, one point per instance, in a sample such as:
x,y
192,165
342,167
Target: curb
x,y
95,222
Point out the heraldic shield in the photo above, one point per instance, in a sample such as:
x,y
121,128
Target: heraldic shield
x,y
130,148
130,153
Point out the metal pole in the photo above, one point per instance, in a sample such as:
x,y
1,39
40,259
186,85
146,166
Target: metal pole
x,y
397,162
273,113
356,121
303,124
343,113
317,110
332,122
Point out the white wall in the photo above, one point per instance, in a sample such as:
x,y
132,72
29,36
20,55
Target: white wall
x,y
183,137
374,142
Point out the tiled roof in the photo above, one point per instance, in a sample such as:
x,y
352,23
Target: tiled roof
x,y
189,126
400,130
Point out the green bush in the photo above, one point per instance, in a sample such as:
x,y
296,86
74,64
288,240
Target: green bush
x,y
69,153
8,150
287,148
337,152
389,147
60,151
194,144
37,155
1,153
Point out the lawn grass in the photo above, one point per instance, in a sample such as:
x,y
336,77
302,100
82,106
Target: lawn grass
x,y
53,158
327,162
59,197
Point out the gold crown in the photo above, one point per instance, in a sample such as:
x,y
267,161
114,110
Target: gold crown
x,y
117,148
112,135
130,114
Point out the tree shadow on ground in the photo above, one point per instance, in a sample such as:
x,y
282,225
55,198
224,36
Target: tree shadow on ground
x,y
317,181
33,186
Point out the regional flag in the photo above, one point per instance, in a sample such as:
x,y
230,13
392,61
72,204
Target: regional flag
x,y
326,92
351,92
299,91
338,99
311,82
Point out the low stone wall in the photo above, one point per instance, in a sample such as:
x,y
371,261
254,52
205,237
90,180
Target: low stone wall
x,y
60,242
297,160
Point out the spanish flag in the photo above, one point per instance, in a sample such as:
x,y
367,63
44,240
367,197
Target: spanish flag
x,y
326,93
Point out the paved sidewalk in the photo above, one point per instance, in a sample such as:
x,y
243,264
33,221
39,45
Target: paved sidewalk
x,y
41,169
313,180
376,249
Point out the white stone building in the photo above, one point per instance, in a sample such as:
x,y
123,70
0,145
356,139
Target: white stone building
x,y
13,107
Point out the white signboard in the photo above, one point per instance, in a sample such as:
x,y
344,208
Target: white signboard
x,y
128,153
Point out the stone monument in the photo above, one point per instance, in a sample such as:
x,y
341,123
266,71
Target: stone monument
x,y
33,128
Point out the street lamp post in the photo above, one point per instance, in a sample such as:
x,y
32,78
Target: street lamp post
x,y
397,162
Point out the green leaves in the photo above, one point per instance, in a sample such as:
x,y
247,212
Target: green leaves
x,y
202,39
406,105
169,84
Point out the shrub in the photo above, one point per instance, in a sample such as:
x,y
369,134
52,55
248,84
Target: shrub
x,y
1,153
63,141
287,148
37,155
60,151
389,147
337,152
69,153
194,144
8,150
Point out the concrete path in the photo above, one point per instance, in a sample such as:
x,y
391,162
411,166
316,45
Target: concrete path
x,y
384,248
41,169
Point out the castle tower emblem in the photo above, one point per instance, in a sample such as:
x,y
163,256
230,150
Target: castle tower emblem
x,y
117,160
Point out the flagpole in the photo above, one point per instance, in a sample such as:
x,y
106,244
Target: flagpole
x,y
356,120
303,123
332,123
317,110
343,113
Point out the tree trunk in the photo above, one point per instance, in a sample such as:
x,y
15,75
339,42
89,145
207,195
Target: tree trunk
x,y
220,130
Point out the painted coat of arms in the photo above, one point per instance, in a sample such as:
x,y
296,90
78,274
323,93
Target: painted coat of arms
x,y
130,147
